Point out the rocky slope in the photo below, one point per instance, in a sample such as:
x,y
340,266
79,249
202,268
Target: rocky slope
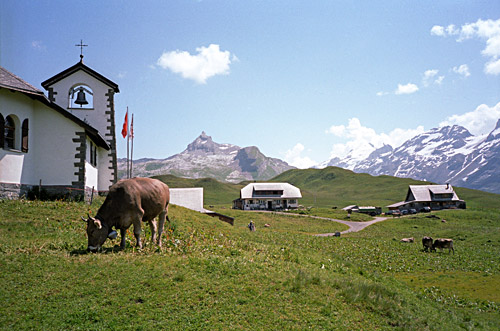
x,y
206,158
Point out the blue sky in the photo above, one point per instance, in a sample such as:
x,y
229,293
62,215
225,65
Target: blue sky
x,y
302,80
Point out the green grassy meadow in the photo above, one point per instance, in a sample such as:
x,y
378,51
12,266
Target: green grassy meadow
x,y
211,275
331,187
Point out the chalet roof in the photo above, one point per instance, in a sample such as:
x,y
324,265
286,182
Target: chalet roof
x,y
397,204
425,192
289,191
75,68
350,207
14,83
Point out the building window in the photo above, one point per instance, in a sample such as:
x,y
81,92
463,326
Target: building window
x,y
93,154
25,129
9,132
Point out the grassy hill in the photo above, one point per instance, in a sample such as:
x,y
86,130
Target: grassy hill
x,y
213,276
330,187
214,192
334,186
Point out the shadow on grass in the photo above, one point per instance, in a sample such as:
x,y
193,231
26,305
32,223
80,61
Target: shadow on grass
x,y
114,249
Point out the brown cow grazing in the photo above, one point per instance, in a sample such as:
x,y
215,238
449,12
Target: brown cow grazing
x,y
129,201
443,243
427,243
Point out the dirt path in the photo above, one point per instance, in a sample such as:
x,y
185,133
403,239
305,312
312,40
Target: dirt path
x,y
353,226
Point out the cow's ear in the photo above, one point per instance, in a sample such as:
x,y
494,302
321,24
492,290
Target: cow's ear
x,y
98,224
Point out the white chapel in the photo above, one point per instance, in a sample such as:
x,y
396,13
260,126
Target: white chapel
x,y
64,142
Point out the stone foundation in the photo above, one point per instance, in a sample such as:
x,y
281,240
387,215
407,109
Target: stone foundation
x,y
12,191
49,192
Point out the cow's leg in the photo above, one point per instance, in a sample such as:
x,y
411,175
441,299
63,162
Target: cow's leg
x,y
137,227
137,234
123,233
154,228
161,224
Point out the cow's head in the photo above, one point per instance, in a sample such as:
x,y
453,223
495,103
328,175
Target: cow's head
x,y
96,233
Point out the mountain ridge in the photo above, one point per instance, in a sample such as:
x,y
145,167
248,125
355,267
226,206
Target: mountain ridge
x,y
205,158
449,154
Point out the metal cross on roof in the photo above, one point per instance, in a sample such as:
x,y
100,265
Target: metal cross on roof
x,y
81,45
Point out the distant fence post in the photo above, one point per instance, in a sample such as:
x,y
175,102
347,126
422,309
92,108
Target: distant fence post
x,y
40,189
91,196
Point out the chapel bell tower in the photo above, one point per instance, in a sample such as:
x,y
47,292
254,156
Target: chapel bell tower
x,y
89,96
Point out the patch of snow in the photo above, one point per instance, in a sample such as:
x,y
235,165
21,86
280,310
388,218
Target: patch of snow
x,y
473,171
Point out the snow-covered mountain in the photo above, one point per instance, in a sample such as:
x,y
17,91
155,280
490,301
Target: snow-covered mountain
x,y
448,154
206,158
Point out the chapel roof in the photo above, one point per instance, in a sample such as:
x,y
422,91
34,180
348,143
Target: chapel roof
x,y
86,69
14,83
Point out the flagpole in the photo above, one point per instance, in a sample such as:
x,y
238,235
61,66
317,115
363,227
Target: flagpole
x,y
132,147
128,133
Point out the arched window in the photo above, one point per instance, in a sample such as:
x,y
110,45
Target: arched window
x,y
2,126
24,140
9,132
81,97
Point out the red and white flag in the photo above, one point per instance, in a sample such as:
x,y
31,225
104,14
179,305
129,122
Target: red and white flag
x,y
125,126
132,127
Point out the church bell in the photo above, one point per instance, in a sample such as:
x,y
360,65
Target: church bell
x,y
80,97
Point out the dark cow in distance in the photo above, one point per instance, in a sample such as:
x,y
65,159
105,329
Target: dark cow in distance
x,y
129,201
443,243
427,243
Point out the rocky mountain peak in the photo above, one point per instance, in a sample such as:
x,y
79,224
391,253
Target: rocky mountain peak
x,y
206,158
203,143
449,154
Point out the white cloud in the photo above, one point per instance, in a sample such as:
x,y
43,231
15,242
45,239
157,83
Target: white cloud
x,y
429,76
38,45
452,30
337,130
439,80
362,140
294,157
437,30
488,30
382,93
209,61
492,67
406,89
479,121
462,70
